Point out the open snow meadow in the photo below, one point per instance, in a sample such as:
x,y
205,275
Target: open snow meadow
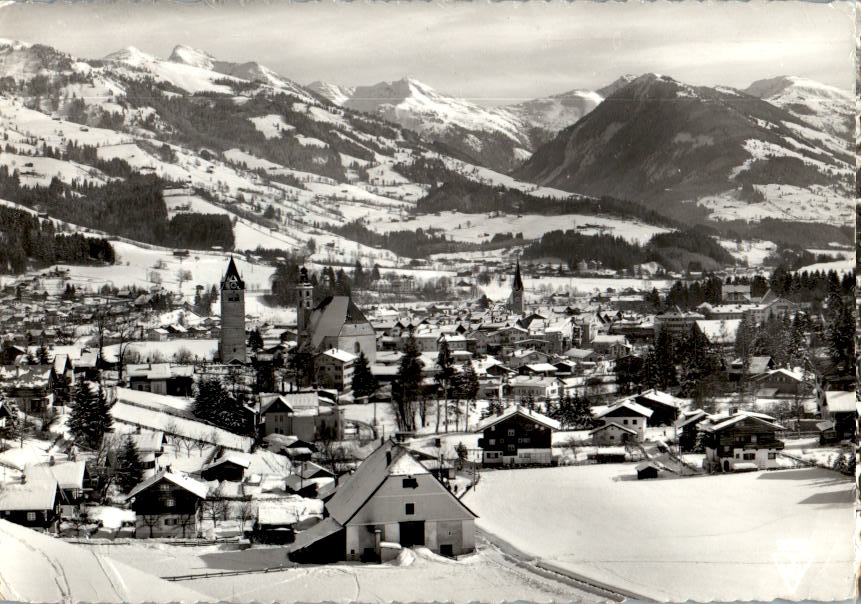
x,y
751,536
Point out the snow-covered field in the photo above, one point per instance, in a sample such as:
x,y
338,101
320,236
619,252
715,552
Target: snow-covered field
x,y
418,575
785,202
722,537
38,568
478,228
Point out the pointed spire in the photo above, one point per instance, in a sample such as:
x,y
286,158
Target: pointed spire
x,y
232,272
518,282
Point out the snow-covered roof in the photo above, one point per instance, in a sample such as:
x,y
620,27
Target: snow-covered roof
x,y
340,355
30,496
724,422
286,511
630,406
517,410
664,398
67,474
541,367
189,484
839,401
240,459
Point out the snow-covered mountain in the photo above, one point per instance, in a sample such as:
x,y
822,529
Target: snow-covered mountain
x,y
736,155
823,107
333,92
557,112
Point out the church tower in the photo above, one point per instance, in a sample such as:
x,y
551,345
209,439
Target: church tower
x,y
516,305
232,345
305,303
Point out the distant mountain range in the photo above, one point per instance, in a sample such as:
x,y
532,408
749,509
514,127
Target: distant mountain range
x,y
660,140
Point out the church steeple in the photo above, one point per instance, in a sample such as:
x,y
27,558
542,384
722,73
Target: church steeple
x,y
516,305
232,276
518,282
232,345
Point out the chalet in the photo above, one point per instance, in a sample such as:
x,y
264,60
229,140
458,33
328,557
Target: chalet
x,y
391,497
167,505
230,467
627,414
756,366
610,347
536,387
34,504
516,436
837,410
161,378
293,447
334,369
664,406
72,477
770,305
739,293
30,387
740,441
305,414
613,433
686,427
277,519
778,382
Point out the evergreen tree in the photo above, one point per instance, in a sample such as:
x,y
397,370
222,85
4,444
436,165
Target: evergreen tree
x,y
444,376
405,388
255,340
129,472
665,360
89,416
364,383
841,338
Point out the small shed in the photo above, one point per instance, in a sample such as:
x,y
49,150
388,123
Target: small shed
x,y
647,469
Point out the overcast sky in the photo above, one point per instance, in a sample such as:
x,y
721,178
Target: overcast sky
x,y
489,52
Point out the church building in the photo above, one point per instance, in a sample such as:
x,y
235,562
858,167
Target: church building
x,y
231,348
336,322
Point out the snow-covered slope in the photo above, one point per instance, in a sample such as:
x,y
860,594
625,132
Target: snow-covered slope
x,y
821,106
556,112
333,92
37,568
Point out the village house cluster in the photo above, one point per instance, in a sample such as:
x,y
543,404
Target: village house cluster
x,y
258,430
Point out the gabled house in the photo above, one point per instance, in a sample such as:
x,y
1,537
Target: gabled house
x,y
741,441
665,407
161,378
837,410
34,503
167,504
390,498
516,436
72,477
613,433
778,382
230,467
686,427
334,369
627,414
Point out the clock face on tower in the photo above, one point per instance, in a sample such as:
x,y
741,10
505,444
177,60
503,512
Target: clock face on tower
x,y
232,283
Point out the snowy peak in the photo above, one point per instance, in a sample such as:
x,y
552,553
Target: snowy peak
x,y
191,56
335,94
131,55
782,85
557,112
22,60
619,83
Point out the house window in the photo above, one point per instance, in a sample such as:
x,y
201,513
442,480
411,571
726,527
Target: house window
x,y
410,509
357,348
170,521
772,455
528,428
749,456
410,483
612,437
164,486
511,447
31,516
624,422
491,441
634,422
170,502
511,431
753,438
493,428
